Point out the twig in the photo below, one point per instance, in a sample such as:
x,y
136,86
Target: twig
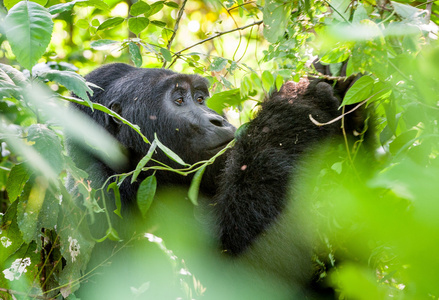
x,y
328,77
246,3
341,116
12,292
174,33
177,54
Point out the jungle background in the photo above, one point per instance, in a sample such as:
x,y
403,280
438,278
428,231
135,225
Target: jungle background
x,y
386,224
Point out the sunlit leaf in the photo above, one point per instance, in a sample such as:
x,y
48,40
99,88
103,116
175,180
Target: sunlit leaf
x,y
137,24
63,7
155,8
146,193
29,30
110,23
267,80
10,3
221,100
139,8
166,54
158,23
275,15
171,4
71,80
19,175
360,90
136,57
218,64
103,44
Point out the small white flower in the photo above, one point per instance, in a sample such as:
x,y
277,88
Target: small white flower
x,y
74,248
17,268
6,242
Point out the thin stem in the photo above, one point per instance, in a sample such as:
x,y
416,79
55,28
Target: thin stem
x,y
177,54
174,33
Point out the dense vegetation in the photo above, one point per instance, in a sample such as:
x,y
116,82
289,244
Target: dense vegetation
x,y
385,224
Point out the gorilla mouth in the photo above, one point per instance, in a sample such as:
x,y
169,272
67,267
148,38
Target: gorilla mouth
x,y
220,146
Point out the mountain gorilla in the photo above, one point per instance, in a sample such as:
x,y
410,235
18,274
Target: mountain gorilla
x,y
252,188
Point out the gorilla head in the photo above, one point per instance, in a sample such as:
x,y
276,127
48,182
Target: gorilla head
x,y
161,102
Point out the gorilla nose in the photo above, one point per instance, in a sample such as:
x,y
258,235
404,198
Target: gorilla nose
x,y
216,120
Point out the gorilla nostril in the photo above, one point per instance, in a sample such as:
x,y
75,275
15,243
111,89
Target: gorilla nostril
x,y
217,122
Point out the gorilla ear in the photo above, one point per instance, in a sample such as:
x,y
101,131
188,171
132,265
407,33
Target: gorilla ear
x,y
117,108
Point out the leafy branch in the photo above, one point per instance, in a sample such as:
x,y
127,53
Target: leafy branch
x,y
174,33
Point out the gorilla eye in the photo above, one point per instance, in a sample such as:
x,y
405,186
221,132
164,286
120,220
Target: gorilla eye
x,y
200,100
179,101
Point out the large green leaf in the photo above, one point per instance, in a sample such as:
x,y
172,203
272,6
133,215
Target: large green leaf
x,y
360,90
139,8
221,100
144,161
146,193
135,54
29,30
275,15
48,145
71,81
110,23
10,3
17,178
137,24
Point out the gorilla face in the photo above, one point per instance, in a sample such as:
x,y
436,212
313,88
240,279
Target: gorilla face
x,y
198,129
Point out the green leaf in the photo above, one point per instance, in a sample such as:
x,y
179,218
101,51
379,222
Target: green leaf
x,y
169,153
16,76
63,7
144,161
139,8
110,23
146,193
171,4
29,30
402,142
195,185
218,64
137,24
279,82
360,90
83,24
275,16
267,80
155,8
18,176
102,44
10,3
221,100
95,3
115,187
158,23
166,54
48,145
112,234
136,57
72,81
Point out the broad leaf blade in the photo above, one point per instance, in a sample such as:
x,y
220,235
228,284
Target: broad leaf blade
x,y
17,178
136,56
115,187
71,81
29,30
146,193
360,90
169,153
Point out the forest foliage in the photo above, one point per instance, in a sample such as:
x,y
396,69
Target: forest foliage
x,y
386,224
